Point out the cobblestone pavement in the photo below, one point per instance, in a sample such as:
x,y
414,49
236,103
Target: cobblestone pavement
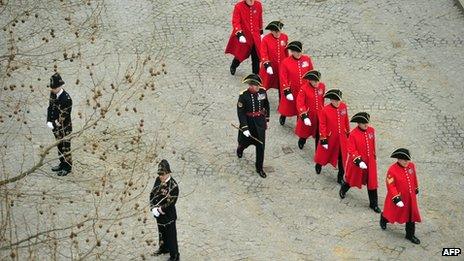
x,y
402,61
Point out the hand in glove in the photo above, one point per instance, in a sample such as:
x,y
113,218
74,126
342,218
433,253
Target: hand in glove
x,y
269,70
50,125
247,133
362,165
400,204
155,212
324,144
242,39
307,122
289,97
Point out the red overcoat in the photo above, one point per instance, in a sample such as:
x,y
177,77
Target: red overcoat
x,y
401,182
335,127
310,100
248,20
273,50
291,74
361,144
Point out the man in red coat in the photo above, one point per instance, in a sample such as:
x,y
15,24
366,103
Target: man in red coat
x,y
273,52
361,165
401,201
247,22
291,73
334,128
309,102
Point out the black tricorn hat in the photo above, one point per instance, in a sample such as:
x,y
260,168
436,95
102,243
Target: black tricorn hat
x,y
253,79
333,94
275,26
312,75
56,81
361,117
295,46
163,167
401,153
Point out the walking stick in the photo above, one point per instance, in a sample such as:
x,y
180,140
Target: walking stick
x,y
260,142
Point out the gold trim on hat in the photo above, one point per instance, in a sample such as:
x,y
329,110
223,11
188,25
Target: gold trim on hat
x,y
402,153
290,44
359,116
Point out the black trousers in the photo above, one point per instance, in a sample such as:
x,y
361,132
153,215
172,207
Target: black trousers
x,y
259,151
168,238
373,198
341,170
64,149
410,226
316,139
254,61
340,164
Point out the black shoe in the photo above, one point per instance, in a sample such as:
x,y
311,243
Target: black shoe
x,y
318,168
342,193
413,239
282,120
56,168
232,70
262,173
63,172
239,152
175,258
383,223
376,209
301,143
160,252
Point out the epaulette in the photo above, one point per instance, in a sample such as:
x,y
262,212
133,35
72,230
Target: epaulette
x,y
243,91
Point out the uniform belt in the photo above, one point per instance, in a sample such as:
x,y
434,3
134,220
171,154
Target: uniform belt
x,y
254,114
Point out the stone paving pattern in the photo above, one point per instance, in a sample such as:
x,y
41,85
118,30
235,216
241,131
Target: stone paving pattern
x,y
401,61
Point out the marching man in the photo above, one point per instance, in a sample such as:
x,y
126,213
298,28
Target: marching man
x,y
291,73
334,128
361,166
245,40
273,52
402,188
253,114
309,102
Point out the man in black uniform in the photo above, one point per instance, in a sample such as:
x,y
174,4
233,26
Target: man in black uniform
x,y
163,198
59,120
253,114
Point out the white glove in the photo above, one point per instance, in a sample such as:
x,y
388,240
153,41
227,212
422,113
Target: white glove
x,y
50,124
307,122
247,133
155,212
400,204
325,146
269,70
242,39
289,97
362,165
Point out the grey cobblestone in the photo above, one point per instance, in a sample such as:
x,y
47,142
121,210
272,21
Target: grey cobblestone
x,y
402,61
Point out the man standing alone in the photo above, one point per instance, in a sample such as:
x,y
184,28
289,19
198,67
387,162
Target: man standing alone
x,y
163,198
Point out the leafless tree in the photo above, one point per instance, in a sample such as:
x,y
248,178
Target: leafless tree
x,y
82,215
